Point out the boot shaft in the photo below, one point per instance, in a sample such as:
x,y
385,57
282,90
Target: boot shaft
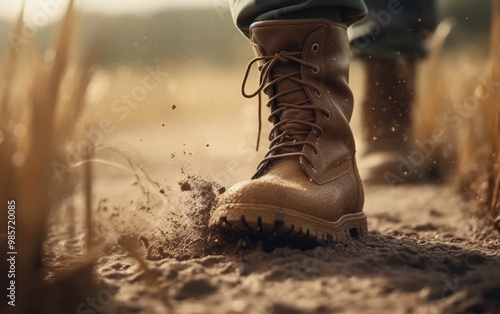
x,y
305,66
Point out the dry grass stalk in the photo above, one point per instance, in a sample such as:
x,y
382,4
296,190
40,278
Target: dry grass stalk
x,y
481,147
34,129
433,95
492,109
88,203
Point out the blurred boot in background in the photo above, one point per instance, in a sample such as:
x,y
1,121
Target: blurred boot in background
x,y
390,40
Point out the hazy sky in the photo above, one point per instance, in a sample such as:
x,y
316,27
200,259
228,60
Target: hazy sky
x,y
51,8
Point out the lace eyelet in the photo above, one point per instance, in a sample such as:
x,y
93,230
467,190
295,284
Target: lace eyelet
x,y
316,153
314,169
318,93
328,115
315,70
315,47
317,136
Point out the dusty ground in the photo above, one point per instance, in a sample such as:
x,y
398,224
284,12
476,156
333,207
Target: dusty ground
x,y
424,254
426,251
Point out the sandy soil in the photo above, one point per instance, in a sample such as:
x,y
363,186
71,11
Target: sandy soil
x,y
425,254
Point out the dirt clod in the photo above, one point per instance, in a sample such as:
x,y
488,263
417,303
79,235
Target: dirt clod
x,y
185,186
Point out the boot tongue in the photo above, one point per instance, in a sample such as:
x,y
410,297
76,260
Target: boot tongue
x,y
273,39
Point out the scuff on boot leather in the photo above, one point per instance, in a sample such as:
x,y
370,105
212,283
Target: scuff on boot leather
x,y
307,185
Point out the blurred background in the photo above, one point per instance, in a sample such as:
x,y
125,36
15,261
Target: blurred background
x,y
183,31
191,115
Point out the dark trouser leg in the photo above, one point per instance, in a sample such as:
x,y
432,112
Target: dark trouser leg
x,y
394,28
245,12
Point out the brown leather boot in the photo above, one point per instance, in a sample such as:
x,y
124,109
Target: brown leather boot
x,y
308,183
386,115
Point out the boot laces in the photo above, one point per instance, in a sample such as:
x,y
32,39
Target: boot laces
x,y
287,139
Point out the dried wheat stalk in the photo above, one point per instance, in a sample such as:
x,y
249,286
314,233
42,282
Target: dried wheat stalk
x,y
36,123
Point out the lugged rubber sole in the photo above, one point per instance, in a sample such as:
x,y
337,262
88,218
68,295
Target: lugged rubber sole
x,y
281,222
